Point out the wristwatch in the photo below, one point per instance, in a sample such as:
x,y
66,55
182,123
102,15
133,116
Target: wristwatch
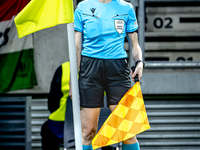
x,y
138,61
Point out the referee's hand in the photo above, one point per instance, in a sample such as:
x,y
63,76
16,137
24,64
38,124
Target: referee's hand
x,y
138,70
70,90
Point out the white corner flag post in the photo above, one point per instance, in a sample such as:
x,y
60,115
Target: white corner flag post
x,y
74,86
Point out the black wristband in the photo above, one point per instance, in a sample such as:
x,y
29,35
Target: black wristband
x,y
138,61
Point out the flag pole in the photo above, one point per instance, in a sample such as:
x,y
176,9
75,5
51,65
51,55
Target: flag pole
x,y
74,86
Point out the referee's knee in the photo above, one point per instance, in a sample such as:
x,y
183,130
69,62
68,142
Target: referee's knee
x,y
88,134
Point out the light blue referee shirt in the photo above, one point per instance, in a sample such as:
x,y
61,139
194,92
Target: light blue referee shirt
x,y
104,27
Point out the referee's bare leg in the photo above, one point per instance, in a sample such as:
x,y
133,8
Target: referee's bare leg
x,y
129,144
89,123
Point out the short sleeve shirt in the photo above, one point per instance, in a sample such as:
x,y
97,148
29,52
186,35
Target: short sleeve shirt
x,y
104,27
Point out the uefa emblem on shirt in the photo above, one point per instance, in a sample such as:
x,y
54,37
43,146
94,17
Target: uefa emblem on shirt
x,y
119,26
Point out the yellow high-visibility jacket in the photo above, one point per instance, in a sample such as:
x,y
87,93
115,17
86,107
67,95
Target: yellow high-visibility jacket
x,y
59,93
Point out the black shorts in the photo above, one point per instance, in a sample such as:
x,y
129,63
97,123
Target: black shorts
x,y
99,75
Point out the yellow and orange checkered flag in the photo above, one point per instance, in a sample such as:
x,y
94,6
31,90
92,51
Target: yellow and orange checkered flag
x,y
128,119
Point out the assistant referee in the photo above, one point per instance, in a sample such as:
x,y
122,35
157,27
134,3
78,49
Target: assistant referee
x,y
100,29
